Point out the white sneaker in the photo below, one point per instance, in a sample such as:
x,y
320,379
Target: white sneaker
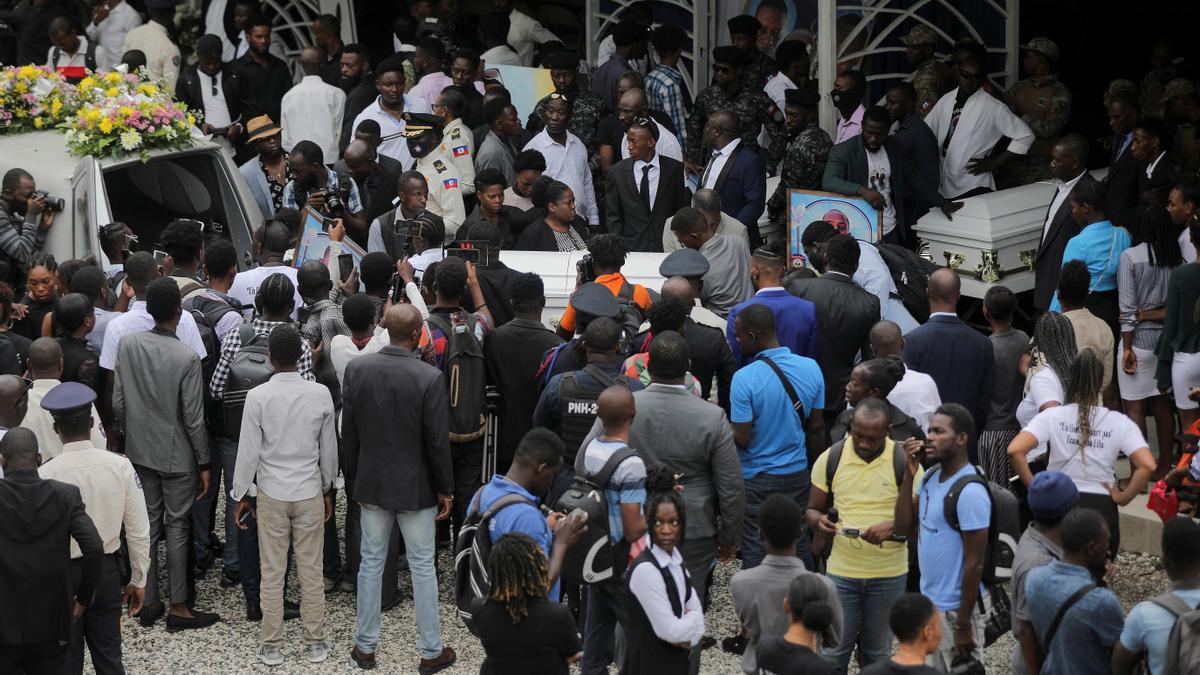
x,y
270,657
317,653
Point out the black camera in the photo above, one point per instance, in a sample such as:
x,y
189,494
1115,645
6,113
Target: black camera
x,y
335,200
583,269
463,249
56,204
967,665
406,230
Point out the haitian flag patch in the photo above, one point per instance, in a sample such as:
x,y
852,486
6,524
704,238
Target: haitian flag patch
x,y
450,183
461,150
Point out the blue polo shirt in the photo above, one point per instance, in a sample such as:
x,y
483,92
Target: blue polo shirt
x,y
795,323
777,444
517,517
1099,245
940,547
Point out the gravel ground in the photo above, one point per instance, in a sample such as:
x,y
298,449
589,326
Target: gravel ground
x,y
229,646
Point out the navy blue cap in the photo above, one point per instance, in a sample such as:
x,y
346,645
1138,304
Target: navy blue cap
x,y
68,397
593,301
684,262
1052,495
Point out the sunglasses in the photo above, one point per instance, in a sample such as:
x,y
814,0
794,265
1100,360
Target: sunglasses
x,y
555,96
722,69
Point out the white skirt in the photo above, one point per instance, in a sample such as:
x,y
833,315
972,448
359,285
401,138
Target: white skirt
x,y
1142,384
1185,374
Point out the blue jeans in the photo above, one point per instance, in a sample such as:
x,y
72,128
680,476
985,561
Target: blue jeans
x,y
794,485
247,547
223,452
866,604
419,531
605,609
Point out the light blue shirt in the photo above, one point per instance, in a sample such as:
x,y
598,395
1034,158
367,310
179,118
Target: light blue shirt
x,y
1148,627
777,444
626,486
940,547
1088,629
1099,245
95,339
526,518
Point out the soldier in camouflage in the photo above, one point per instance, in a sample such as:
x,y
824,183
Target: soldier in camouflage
x,y
804,163
754,109
587,108
743,35
931,78
1044,103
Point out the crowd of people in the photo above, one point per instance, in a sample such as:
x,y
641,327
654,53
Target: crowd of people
x,y
858,451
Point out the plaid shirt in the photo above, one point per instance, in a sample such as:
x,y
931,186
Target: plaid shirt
x,y
665,91
353,201
322,321
232,344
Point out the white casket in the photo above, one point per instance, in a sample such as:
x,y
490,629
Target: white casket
x,y
992,239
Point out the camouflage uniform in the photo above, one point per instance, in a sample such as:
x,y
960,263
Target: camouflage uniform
x,y
932,80
754,109
1028,169
803,166
755,75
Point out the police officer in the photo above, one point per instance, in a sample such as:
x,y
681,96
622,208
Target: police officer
x,y
690,265
590,301
457,141
807,150
112,496
743,35
931,78
424,135
1044,103
754,109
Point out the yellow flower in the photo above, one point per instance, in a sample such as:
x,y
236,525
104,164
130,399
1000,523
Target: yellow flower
x,y
87,83
56,106
148,89
37,123
126,111
112,92
191,119
106,125
91,115
21,87
112,77
28,72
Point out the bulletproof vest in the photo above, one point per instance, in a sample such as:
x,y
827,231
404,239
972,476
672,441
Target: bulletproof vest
x,y
577,406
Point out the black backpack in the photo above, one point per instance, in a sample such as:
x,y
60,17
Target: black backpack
x,y
472,549
911,273
631,319
208,311
594,558
89,56
899,464
465,375
250,368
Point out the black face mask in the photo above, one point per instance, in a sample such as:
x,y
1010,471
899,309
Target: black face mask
x,y
420,146
847,101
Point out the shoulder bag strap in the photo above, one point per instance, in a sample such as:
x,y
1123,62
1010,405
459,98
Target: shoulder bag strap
x,y
787,386
595,371
1172,603
601,477
1062,612
507,500
831,465
1112,246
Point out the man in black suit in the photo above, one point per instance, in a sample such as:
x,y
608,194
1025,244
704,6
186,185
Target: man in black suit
x,y
495,278
871,165
737,173
957,357
845,313
396,444
38,520
222,109
643,191
1123,169
1068,163
1151,140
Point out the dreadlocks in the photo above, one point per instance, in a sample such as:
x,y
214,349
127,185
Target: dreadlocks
x,y
1054,337
1083,389
661,487
1155,229
517,573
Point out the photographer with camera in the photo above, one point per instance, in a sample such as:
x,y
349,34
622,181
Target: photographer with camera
x,y
26,215
409,230
322,190
607,256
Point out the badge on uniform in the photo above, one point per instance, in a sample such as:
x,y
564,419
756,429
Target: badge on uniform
x,y
450,183
457,133
461,151
439,165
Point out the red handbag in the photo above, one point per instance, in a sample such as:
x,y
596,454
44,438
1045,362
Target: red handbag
x,y
1164,500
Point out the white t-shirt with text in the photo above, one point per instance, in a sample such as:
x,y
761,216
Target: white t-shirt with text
x,y
1113,434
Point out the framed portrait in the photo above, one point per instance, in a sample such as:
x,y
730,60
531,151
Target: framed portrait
x,y
315,243
850,215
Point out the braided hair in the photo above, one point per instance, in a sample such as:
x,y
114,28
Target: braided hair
x,y
1054,337
1155,229
518,573
1083,388
274,294
883,374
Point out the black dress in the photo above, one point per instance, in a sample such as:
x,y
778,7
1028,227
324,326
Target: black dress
x,y
79,362
31,326
646,653
776,655
539,644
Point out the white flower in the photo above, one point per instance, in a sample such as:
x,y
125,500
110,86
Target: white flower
x,y
130,139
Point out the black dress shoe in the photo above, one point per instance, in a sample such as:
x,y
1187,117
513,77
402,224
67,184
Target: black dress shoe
x,y
391,604
197,620
229,579
733,645
253,613
150,614
291,610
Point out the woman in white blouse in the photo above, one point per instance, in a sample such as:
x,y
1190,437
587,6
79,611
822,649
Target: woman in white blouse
x,y
1085,440
1054,341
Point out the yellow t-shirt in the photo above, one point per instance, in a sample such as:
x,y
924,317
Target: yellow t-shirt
x,y
865,494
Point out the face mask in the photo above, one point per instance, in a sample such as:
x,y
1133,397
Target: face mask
x,y
847,101
418,147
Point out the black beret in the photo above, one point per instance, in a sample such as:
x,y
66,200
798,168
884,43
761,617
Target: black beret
x,y
743,25
729,55
806,97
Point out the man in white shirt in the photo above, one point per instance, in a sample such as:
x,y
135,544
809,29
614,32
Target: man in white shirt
x,y
493,34
312,110
524,32
112,496
916,394
45,368
429,62
634,104
140,270
566,157
269,244
287,458
154,40
111,22
71,54
209,85
968,122
388,110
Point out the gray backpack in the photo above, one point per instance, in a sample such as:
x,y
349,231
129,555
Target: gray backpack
x,y
1183,646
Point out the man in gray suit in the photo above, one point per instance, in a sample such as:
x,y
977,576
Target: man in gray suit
x,y
158,401
641,192
691,437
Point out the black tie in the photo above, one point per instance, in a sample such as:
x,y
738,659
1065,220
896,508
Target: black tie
x,y
644,187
